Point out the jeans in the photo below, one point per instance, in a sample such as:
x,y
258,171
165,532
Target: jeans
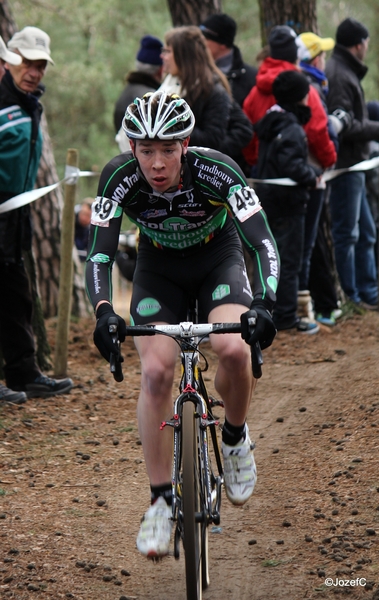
x,y
289,235
354,237
316,200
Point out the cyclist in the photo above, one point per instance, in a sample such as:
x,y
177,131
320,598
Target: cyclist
x,y
192,206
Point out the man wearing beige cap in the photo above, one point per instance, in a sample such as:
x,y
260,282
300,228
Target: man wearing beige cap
x,y
6,56
20,152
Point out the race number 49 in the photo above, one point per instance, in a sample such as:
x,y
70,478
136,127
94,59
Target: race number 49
x,y
244,202
103,210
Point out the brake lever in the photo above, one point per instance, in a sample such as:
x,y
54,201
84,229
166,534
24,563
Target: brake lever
x,y
256,360
115,358
256,352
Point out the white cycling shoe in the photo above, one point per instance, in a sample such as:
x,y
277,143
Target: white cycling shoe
x,y
240,471
153,539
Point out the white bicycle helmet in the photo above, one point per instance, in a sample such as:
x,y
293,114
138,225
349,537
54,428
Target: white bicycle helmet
x,y
158,116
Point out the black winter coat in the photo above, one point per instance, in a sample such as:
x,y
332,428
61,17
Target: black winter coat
x,y
221,124
241,77
345,73
137,85
211,118
283,152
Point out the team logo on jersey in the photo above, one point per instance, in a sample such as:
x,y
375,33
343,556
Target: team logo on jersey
x,y
154,213
221,291
210,173
148,307
190,200
272,279
195,213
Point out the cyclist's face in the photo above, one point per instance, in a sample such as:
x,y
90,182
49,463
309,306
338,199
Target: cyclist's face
x,y
160,161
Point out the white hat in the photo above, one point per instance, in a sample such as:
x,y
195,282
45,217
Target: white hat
x,y
10,57
32,43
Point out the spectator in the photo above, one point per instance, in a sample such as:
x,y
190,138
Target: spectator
x,y
220,31
353,226
205,88
220,122
283,56
262,54
6,56
372,176
82,225
283,152
146,77
20,151
312,53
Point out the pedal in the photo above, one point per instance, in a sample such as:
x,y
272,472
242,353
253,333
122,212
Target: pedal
x,y
214,402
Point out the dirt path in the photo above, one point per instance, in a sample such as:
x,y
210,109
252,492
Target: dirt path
x,y
73,484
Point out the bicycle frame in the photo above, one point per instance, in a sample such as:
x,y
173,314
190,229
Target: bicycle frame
x,y
196,488
192,389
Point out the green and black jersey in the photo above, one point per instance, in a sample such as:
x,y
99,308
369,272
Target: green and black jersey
x,y
215,200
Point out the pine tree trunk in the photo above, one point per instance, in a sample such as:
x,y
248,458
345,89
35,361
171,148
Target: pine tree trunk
x,y
46,239
300,15
192,12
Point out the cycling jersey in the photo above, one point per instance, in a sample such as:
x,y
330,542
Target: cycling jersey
x,y
213,196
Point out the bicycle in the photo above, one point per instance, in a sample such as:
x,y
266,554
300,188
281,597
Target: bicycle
x,y
196,485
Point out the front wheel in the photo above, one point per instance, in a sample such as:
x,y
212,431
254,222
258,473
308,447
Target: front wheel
x,y
192,538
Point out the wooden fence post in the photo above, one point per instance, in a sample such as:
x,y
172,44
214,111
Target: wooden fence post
x,y
66,271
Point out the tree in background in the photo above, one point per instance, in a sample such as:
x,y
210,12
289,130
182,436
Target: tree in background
x,y
192,12
298,14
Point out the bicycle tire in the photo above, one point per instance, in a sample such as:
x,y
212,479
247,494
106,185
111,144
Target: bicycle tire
x,y
192,539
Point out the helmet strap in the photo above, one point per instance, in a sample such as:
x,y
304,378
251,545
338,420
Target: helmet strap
x,y
183,160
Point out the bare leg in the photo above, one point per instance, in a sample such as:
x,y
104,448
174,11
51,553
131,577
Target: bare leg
x,y
234,380
158,358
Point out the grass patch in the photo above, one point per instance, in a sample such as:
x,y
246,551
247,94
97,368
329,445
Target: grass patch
x,y
271,562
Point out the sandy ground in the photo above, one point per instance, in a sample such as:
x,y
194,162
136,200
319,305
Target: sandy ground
x,y
73,484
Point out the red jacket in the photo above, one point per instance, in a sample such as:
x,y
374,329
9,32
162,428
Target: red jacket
x,y
260,99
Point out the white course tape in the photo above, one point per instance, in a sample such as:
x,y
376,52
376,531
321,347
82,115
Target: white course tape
x,y
365,165
72,175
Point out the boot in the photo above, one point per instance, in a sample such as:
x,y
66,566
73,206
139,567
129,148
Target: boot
x,y
305,305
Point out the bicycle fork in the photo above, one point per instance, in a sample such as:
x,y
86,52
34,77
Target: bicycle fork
x,y
209,484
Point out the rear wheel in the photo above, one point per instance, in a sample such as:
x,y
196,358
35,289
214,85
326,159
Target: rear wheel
x,y
192,531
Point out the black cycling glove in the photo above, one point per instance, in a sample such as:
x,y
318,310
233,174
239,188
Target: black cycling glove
x,y
101,335
262,329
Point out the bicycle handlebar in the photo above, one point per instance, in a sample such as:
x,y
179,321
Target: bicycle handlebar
x,y
187,329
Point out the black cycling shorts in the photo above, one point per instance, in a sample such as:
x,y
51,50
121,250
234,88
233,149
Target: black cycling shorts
x,y
164,281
